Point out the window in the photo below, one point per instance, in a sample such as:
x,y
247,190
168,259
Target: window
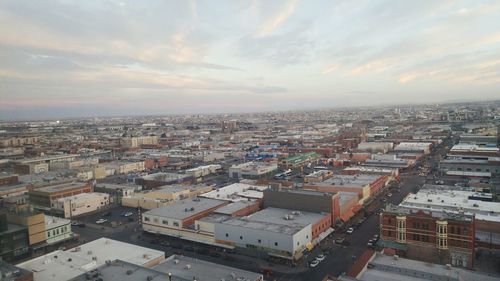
x,y
176,223
227,235
259,241
48,234
241,237
147,219
275,243
165,222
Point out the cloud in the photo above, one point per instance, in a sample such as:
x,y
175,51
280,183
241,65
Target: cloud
x,y
278,20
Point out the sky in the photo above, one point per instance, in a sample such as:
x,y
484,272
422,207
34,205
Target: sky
x,y
61,58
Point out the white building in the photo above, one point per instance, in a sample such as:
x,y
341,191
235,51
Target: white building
x,y
280,232
425,147
80,204
202,171
64,265
57,229
375,147
252,170
237,192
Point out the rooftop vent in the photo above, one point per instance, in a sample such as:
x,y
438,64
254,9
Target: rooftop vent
x,y
176,261
187,267
129,272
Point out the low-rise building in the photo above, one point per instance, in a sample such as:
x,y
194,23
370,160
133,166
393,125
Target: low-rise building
x,y
45,196
179,219
164,196
377,266
280,232
57,229
300,160
252,170
80,204
237,192
10,272
364,184
376,147
116,191
14,237
160,179
65,265
445,238
303,200
318,176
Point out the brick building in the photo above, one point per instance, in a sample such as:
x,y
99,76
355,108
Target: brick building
x,y
45,196
447,238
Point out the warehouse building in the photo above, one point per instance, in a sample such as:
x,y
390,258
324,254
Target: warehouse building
x,y
252,170
46,196
280,232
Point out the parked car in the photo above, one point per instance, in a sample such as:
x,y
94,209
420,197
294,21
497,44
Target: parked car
x,y
320,258
101,221
314,263
389,194
127,214
339,240
350,230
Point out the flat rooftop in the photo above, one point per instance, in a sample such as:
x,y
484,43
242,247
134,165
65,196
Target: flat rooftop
x,y
358,180
203,270
61,187
389,269
82,196
236,192
185,208
234,206
453,200
53,222
64,265
119,270
164,177
15,273
277,220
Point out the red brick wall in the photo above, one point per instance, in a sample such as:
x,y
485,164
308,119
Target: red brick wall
x,y
320,226
190,220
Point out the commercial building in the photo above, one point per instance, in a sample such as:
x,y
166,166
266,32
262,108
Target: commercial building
x,y
300,160
479,140
80,204
9,272
125,167
179,219
444,237
160,179
280,232
486,212
46,196
376,147
18,141
424,147
132,142
65,265
318,176
237,192
377,266
33,220
203,171
186,268
363,184
470,166
474,150
57,229
116,191
164,196
252,170
303,200
15,243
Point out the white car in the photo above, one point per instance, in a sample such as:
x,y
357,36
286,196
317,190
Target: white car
x,y
101,221
320,258
314,263
127,214
350,230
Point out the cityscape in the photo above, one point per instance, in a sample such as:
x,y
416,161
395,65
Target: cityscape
x,y
249,141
